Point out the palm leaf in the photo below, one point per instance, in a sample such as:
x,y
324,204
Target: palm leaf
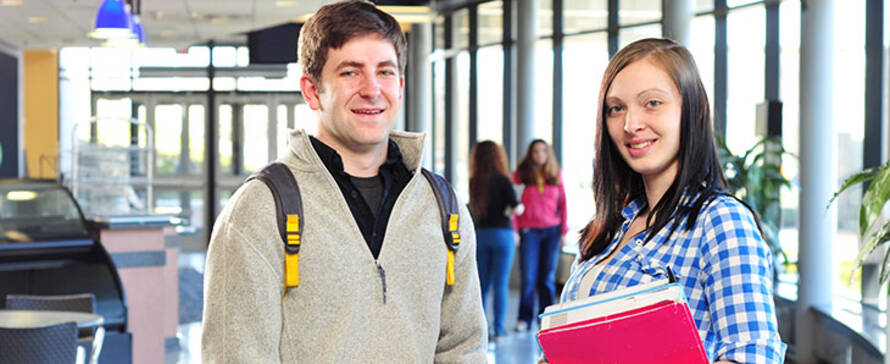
x,y
873,200
853,180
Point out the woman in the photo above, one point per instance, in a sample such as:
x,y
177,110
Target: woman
x,y
541,228
661,202
492,204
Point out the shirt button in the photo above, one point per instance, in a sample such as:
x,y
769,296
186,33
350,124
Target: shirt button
x,y
639,243
354,194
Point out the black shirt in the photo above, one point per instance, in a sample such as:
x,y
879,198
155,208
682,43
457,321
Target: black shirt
x,y
394,176
500,195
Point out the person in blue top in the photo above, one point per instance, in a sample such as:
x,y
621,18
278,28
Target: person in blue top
x,y
661,202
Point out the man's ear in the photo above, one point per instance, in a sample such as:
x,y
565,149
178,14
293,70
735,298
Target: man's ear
x,y
309,87
401,88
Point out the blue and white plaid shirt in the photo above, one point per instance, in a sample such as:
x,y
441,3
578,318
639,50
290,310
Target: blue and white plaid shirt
x,y
724,267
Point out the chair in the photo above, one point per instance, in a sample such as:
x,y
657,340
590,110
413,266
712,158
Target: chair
x,y
50,345
81,302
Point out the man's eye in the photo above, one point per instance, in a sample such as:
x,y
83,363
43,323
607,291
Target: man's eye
x,y
388,73
348,73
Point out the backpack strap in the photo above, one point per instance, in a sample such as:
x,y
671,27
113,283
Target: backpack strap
x,y
450,215
289,215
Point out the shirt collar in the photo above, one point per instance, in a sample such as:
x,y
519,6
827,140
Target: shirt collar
x,y
334,163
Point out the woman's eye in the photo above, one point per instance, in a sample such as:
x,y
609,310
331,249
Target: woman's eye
x,y
613,110
653,103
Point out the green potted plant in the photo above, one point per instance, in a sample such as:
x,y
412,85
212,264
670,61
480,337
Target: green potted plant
x,y
872,231
755,177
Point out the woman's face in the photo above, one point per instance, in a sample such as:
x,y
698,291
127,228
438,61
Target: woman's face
x,y
539,154
643,108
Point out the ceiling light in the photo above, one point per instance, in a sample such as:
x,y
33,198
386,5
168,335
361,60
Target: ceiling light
x,y
138,32
11,2
283,4
112,21
168,33
37,19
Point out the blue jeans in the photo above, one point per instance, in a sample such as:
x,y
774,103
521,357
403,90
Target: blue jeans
x,y
538,254
494,257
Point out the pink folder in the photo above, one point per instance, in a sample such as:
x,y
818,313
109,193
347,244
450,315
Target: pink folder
x,y
663,332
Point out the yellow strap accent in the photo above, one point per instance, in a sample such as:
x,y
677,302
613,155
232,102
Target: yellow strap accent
x,y
452,222
449,268
291,270
293,239
293,223
455,238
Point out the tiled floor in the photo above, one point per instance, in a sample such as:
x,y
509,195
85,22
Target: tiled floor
x,y
518,348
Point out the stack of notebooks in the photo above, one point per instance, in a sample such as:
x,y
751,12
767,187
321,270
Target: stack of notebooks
x,y
649,323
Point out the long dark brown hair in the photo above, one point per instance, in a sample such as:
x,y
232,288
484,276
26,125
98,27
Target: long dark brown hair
x,y
528,169
486,159
699,174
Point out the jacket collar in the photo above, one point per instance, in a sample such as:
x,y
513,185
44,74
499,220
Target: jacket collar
x,y
408,145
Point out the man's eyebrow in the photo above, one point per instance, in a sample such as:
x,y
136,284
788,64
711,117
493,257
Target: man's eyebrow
x,y
347,64
386,64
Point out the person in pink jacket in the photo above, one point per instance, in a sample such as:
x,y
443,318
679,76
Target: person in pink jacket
x,y
541,228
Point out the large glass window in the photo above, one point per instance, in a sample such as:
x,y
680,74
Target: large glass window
x,y
545,18
543,91
584,61
256,143
439,116
581,15
462,125
789,43
460,29
638,11
168,137
196,117
490,78
849,116
702,48
491,19
745,41
631,34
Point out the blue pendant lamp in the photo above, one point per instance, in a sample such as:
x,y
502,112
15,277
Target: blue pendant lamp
x,y
112,21
138,32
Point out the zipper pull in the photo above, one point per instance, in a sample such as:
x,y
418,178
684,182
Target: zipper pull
x,y
382,274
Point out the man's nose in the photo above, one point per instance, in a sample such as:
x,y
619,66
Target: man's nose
x,y
370,87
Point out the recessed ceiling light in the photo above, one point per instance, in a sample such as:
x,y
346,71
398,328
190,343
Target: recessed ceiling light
x,y
283,4
168,33
11,2
37,19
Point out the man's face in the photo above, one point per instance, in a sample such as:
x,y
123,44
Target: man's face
x,y
359,94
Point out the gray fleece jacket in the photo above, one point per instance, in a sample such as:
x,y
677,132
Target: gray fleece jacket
x,y
338,314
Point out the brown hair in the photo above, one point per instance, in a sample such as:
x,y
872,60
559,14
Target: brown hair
x,y
335,24
486,159
528,169
699,175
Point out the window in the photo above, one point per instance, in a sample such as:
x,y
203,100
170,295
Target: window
x,y
584,61
581,15
638,11
746,29
491,16
543,92
490,78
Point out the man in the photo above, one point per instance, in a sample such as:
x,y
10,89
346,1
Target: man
x,y
372,266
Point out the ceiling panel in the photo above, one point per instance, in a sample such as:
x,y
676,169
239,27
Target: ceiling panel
x,y
177,23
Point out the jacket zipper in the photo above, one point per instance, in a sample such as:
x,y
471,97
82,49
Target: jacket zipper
x,y
382,274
